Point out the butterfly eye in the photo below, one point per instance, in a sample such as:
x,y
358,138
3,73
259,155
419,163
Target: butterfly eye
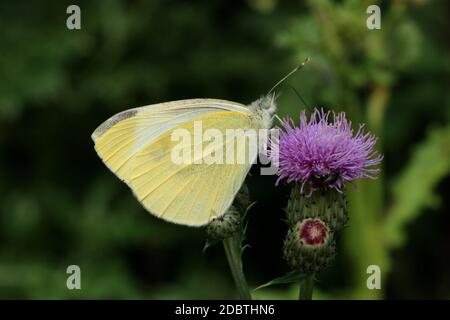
x,y
266,102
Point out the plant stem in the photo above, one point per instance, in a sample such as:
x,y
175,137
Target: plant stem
x,y
306,288
232,246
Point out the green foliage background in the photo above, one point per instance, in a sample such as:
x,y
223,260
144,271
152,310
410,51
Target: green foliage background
x,y
59,205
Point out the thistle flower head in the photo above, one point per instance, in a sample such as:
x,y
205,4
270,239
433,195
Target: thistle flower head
x,y
323,154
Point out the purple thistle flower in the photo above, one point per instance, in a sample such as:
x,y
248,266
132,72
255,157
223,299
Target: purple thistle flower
x,y
323,155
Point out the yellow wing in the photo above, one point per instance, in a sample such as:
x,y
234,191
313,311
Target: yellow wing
x,y
139,147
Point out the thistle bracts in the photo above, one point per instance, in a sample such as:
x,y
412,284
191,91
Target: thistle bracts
x,y
309,246
329,205
225,226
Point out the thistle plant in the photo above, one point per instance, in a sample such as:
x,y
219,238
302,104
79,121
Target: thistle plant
x,y
319,157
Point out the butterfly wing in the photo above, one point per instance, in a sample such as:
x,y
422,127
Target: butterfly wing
x,y
137,145
119,138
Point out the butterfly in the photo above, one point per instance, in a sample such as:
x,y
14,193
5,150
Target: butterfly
x,y
138,144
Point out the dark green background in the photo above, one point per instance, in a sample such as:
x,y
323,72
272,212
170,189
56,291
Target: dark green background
x,y
59,205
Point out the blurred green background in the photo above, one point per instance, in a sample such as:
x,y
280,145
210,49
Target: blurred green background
x,y
59,205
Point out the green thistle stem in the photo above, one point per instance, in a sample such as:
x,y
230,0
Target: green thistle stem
x,y
306,288
232,246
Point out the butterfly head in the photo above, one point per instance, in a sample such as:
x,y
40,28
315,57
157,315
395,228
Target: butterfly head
x,y
266,104
264,108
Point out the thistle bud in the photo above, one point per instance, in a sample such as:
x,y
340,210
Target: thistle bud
x,y
309,246
223,227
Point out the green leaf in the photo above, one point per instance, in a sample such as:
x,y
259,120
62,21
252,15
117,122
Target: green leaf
x,y
413,189
290,277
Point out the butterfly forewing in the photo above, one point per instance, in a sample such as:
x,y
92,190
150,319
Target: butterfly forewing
x,y
139,150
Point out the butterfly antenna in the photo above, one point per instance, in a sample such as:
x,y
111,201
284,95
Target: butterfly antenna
x,y
300,97
301,65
